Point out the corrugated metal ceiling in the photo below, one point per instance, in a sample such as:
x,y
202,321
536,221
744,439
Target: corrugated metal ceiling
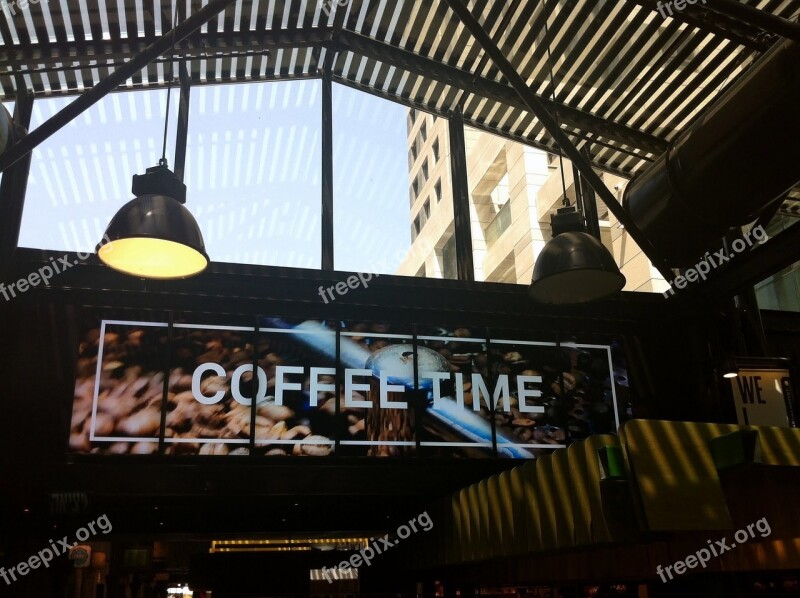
x,y
626,80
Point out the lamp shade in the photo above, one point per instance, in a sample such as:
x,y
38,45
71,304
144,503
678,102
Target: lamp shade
x,y
6,129
154,236
574,267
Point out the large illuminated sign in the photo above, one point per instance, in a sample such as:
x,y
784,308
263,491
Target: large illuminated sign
x,y
318,388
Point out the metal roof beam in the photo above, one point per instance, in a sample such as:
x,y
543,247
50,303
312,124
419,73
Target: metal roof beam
x,y
754,17
196,45
711,22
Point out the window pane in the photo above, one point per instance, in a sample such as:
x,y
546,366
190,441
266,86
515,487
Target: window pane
x,y
254,171
782,290
82,175
504,179
376,230
449,263
431,199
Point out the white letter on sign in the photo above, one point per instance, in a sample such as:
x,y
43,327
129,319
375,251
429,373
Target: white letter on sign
x,y
281,384
500,392
437,378
316,387
386,388
198,374
236,381
350,386
523,393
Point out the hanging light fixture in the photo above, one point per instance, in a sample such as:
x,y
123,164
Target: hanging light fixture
x,y
573,267
155,235
6,129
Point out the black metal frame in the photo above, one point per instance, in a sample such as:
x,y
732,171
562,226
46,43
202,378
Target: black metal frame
x,y
14,186
347,41
718,24
490,89
183,123
461,219
327,170
754,17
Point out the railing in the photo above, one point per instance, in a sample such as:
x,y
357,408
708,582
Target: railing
x,y
499,225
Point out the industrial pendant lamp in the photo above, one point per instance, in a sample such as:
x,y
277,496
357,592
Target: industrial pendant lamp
x,y
154,235
6,129
573,267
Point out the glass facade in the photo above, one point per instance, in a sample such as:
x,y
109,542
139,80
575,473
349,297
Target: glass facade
x,y
254,171
782,291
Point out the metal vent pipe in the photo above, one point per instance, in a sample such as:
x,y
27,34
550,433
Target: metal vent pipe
x,y
740,156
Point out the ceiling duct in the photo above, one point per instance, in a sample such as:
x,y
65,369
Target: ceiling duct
x,y
740,156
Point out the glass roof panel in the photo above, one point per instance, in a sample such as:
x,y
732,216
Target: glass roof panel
x,y
81,175
254,171
372,216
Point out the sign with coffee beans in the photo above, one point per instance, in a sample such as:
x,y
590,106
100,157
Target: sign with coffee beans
x,y
318,388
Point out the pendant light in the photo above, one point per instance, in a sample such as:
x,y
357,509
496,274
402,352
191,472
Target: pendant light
x,y
573,267
728,368
154,235
7,133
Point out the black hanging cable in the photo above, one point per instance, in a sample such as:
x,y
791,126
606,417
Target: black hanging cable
x,y
566,201
163,161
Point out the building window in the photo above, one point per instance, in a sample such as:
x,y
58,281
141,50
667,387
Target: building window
x,y
426,208
412,118
365,159
501,193
415,188
425,171
449,262
501,206
436,152
437,191
417,226
501,223
423,131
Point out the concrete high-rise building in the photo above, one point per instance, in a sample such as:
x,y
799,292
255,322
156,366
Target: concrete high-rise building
x,y
513,190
